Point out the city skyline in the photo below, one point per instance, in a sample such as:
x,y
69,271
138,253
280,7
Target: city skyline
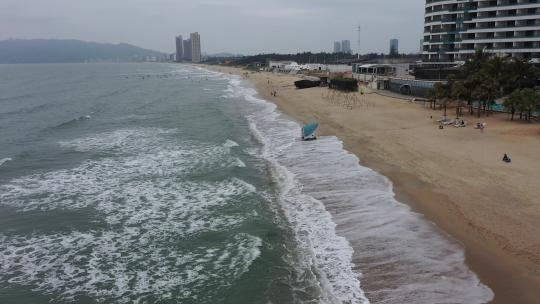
x,y
288,26
189,49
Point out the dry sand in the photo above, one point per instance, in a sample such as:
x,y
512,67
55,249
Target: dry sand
x,y
454,176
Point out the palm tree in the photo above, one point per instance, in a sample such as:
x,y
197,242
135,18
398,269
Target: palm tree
x,y
470,74
459,92
528,102
441,93
513,102
486,92
519,75
432,98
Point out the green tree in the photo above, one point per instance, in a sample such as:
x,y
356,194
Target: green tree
x,y
460,92
432,98
484,78
441,92
512,102
471,75
494,72
528,102
486,91
519,74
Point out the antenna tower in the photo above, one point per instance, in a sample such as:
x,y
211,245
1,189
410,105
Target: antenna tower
x,y
359,35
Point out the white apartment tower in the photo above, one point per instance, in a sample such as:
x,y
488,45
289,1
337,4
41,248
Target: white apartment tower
x,y
455,29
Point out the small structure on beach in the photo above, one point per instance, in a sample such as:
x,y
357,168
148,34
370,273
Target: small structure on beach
x,y
411,87
309,132
344,84
306,83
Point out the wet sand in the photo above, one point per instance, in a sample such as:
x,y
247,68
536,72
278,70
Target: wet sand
x,y
454,177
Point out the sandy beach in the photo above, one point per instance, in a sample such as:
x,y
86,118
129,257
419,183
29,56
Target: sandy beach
x,y
454,177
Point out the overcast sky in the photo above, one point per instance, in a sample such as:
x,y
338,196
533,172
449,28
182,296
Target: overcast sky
x,y
237,26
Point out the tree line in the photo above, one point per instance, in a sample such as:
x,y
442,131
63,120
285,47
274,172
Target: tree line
x,y
485,78
308,57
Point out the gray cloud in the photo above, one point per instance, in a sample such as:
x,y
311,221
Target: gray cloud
x,y
240,26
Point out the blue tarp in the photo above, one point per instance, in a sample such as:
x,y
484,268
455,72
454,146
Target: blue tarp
x,y
309,130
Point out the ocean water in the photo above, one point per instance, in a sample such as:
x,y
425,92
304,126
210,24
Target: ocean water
x,y
166,183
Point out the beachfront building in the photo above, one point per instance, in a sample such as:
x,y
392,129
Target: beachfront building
x,y
195,40
375,75
394,47
277,66
337,47
455,29
179,48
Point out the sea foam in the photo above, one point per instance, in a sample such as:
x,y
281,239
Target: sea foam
x,y
324,256
5,160
398,256
146,208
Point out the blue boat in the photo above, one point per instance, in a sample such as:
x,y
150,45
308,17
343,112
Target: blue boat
x,y
309,132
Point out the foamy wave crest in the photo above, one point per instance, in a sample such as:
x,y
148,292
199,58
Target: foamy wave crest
x,y
143,210
124,266
230,143
74,121
5,160
402,257
126,140
325,257
156,148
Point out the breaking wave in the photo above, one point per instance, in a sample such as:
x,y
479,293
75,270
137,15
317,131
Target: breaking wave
x,y
147,210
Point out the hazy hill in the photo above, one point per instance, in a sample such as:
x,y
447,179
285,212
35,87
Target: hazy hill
x,y
64,51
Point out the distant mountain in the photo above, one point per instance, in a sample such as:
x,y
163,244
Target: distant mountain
x,y
66,51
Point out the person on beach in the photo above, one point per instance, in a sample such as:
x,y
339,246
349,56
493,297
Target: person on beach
x,y
506,158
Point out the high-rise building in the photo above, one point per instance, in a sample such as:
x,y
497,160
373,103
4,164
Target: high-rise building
x,y
187,50
455,29
190,49
346,46
394,47
179,48
337,47
421,49
195,47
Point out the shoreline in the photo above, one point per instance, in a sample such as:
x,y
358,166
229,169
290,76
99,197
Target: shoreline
x,y
512,275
